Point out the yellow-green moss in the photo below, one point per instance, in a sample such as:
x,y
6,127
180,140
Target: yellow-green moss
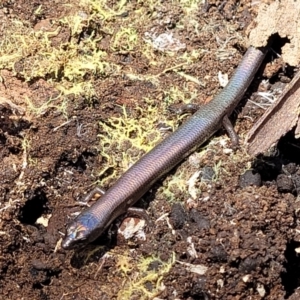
x,y
137,274
73,66
67,65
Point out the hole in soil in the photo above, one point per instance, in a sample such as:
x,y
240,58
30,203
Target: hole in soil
x,y
277,46
287,152
33,208
10,126
2,139
80,164
291,278
47,274
289,148
14,150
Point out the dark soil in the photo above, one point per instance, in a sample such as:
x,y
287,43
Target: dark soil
x,y
232,234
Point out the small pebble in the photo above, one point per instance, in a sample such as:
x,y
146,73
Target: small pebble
x,y
290,168
177,216
284,183
208,174
250,178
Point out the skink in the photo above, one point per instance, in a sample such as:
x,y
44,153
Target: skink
x,y
137,180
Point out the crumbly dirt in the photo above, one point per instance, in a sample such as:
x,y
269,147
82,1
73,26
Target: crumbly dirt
x,y
223,233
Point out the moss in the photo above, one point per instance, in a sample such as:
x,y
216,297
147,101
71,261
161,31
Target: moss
x,y
143,279
176,184
97,33
74,64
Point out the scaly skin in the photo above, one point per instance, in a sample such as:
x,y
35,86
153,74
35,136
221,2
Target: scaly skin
x,y
137,180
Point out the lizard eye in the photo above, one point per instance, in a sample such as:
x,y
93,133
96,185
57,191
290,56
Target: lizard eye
x,y
78,232
76,235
